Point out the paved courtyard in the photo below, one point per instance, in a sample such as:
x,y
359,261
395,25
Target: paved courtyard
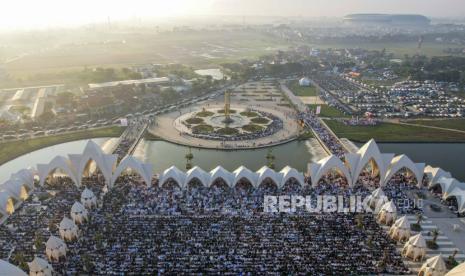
x,y
260,96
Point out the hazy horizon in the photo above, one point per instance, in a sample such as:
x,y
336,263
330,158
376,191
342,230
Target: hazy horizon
x,y
56,13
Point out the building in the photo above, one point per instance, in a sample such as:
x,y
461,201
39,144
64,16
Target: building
x,y
388,19
304,82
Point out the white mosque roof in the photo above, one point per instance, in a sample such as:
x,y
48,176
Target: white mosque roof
x,y
220,173
288,173
173,173
402,161
8,269
198,173
265,172
144,170
243,172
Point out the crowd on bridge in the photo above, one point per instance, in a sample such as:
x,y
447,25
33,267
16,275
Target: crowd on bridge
x,y
130,136
329,139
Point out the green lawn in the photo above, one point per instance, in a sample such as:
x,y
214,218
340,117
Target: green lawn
x,y
303,91
11,150
448,123
388,132
329,111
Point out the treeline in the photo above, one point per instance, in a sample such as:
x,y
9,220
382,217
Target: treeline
x,y
447,68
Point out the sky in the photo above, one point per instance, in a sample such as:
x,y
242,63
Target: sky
x,y
48,13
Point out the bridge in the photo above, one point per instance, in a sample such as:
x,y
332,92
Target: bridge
x,y
325,136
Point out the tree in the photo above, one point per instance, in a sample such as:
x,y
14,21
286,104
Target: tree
x,y
435,233
420,218
189,156
270,159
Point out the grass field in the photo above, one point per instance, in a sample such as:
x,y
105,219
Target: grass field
x,y
458,124
302,91
11,150
328,111
389,132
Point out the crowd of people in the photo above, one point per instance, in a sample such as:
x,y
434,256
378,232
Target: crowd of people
x,y
134,129
270,129
330,140
140,229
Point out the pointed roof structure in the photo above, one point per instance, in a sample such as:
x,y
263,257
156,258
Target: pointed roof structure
x,y
220,173
201,175
173,173
40,267
130,162
287,173
434,266
243,172
402,161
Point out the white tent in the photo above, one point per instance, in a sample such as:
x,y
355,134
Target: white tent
x,y
267,173
172,173
40,267
78,213
244,173
388,213
220,173
434,174
129,162
325,165
400,230
59,162
376,195
434,266
88,199
197,173
8,269
380,203
366,153
457,271
68,229
402,161
291,173
7,206
415,248
55,248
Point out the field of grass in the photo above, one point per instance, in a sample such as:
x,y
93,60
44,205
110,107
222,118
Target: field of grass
x,y
458,124
11,150
303,91
328,111
389,132
201,49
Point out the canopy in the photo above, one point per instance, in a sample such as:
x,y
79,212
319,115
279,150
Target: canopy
x,y
68,229
388,213
415,248
78,213
55,248
434,266
88,198
400,230
457,271
40,267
